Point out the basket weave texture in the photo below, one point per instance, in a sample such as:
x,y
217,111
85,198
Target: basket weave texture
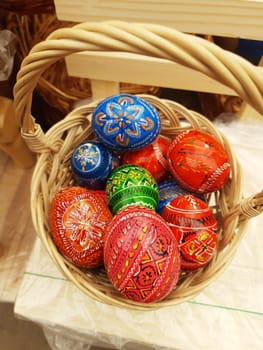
x,y
54,148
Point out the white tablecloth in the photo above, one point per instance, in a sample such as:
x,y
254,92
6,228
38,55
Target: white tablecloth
x,y
227,315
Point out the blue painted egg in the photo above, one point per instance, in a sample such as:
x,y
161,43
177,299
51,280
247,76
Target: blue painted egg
x,y
125,122
91,164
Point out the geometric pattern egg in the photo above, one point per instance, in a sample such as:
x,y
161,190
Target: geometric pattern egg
x,y
198,161
78,218
195,228
141,255
125,122
129,185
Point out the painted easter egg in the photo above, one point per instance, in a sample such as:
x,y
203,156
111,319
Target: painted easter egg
x,y
141,255
152,157
195,228
198,161
131,184
78,218
125,122
91,164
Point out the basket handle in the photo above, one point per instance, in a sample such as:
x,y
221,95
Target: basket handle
x,y
145,39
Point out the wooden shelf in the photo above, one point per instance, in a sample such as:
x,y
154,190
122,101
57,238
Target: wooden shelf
x,y
234,18
142,70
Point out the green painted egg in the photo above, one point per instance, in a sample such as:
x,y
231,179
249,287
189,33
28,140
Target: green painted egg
x,y
131,185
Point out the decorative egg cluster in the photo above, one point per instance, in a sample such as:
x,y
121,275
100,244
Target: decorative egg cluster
x,y
138,206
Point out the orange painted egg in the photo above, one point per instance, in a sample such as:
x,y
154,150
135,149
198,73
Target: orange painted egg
x,y
152,157
195,228
78,218
198,161
141,255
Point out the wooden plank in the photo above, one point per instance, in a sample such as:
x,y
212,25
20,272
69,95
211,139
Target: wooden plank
x,y
234,18
102,89
131,68
16,230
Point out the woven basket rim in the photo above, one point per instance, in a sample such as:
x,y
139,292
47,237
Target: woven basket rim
x,y
40,206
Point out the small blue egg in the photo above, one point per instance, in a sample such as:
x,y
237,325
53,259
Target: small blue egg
x,y
91,164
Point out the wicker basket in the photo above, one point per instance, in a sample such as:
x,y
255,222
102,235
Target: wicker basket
x,y
54,147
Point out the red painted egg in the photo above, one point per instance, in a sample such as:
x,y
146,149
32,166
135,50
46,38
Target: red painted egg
x,y
195,228
198,161
141,255
78,218
152,157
